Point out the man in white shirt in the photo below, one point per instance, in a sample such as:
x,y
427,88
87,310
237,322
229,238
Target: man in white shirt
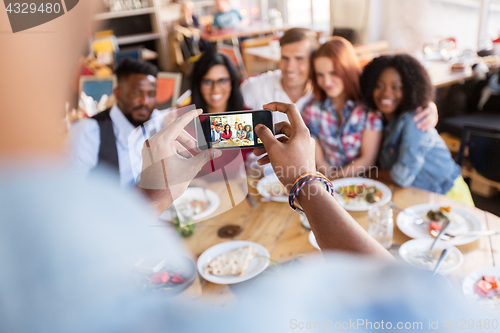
x,y
104,138
235,131
289,84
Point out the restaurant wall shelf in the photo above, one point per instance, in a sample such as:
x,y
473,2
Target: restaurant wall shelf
x,y
131,39
140,27
125,13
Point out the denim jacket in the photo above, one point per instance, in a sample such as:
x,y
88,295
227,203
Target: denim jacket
x,y
416,158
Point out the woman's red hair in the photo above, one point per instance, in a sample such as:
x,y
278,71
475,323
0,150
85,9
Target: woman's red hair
x,y
345,65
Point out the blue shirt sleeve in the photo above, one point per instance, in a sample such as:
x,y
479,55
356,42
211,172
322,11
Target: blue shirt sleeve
x,y
84,142
414,145
216,21
237,14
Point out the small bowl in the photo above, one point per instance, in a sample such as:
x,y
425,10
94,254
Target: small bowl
x,y
414,252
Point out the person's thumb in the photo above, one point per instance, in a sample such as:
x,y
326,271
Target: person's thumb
x,y
265,135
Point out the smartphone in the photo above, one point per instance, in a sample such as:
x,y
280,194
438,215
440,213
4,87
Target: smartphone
x,y
232,130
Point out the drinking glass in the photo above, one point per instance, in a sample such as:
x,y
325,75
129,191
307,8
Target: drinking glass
x,y
381,224
304,221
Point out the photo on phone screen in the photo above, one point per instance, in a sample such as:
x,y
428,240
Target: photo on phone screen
x,y
232,130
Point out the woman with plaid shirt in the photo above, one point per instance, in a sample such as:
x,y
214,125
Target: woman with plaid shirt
x,y
348,136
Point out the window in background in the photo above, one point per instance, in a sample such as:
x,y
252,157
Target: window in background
x,y
489,21
493,2
314,14
321,15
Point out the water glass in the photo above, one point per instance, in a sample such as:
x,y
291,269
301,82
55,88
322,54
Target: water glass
x,y
304,221
381,224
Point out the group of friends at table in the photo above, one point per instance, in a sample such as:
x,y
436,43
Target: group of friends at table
x,y
380,116
67,243
240,131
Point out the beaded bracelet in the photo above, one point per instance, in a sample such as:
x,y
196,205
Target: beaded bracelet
x,y
303,177
302,181
312,173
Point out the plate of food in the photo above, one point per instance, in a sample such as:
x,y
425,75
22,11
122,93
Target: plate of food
x,y
358,194
416,253
169,276
237,141
233,262
223,143
270,187
203,202
247,142
482,287
433,217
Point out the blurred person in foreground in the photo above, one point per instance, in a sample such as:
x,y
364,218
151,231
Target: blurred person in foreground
x,y
104,138
67,245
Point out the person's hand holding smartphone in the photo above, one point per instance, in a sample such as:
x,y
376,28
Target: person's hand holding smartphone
x,y
232,130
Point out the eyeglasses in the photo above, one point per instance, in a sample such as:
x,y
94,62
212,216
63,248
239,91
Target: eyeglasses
x,y
223,83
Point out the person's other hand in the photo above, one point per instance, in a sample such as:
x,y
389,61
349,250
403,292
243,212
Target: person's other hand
x,y
427,118
292,154
168,165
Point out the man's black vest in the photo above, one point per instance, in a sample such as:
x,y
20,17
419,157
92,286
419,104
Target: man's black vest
x,y
108,153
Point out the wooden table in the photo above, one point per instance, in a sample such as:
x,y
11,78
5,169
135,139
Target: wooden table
x,y
231,143
442,76
255,28
278,228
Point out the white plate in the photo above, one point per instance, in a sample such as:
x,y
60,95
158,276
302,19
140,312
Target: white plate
x,y
407,225
312,240
386,192
223,143
423,245
194,193
257,265
271,179
470,281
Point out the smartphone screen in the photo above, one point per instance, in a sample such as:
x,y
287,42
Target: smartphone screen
x,y
232,130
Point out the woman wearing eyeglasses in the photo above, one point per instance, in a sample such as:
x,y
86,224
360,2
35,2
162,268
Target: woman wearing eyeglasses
x,y
215,88
215,84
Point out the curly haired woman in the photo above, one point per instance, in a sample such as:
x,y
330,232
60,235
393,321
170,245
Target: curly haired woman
x,y
396,86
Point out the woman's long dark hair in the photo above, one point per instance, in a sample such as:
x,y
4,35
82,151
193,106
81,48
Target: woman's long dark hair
x,y
225,129
201,68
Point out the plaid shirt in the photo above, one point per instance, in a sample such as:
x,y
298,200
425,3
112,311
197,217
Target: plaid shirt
x,y
341,142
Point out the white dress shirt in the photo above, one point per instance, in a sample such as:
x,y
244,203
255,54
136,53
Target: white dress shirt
x,y
267,88
85,142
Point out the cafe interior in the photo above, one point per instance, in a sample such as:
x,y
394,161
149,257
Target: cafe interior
x,y
354,178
